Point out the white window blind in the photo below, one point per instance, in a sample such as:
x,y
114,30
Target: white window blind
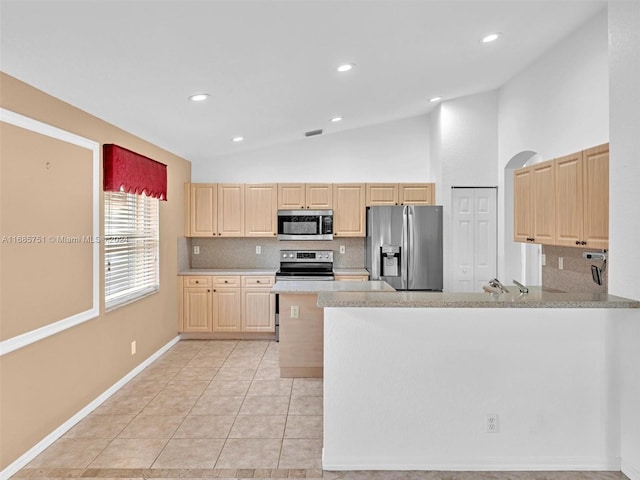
x,y
131,227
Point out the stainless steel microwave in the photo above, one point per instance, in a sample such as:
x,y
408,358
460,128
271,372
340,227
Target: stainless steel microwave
x,y
305,224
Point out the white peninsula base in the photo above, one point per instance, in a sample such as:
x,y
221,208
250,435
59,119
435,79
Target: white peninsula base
x,y
411,388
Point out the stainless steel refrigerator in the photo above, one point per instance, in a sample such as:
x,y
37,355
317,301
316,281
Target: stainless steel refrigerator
x,y
404,246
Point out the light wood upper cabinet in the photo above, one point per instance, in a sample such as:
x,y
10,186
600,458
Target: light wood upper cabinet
x,y
230,210
595,173
564,202
382,194
522,208
319,196
201,217
291,196
315,196
260,210
349,210
417,194
569,200
544,201
400,194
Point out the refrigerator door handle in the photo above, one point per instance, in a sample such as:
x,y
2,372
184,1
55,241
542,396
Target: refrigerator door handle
x,y
404,265
410,242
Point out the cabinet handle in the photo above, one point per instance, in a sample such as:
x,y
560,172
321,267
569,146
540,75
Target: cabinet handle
x,y
208,291
197,281
226,281
577,242
583,243
257,281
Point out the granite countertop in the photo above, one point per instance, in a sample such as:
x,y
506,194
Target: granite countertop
x,y
297,287
536,298
228,271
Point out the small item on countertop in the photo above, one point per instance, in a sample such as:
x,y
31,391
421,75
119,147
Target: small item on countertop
x,y
492,290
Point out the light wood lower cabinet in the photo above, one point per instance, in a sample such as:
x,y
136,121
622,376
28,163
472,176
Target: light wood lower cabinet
x,y
351,278
258,304
226,304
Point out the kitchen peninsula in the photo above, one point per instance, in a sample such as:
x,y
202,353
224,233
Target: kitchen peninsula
x,y
439,381
301,322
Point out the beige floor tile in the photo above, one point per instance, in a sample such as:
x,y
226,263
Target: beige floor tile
x,y
232,388
143,388
185,388
205,426
129,453
210,405
267,373
305,405
265,405
204,361
152,426
301,453
258,426
189,453
195,374
249,453
99,426
70,453
307,387
170,404
123,404
242,362
279,387
235,373
304,426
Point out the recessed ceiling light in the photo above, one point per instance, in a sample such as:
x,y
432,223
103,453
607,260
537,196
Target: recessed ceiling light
x,y
435,99
491,37
199,97
345,68
336,119
237,139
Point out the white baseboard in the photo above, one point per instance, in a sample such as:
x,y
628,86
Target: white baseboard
x,y
629,471
39,447
473,464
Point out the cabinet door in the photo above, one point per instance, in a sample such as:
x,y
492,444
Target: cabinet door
x,y
416,194
544,203
291,196
319,196
595,174
202,209
230,210
227,310
197,309
349,210
260,210
382,194
522,206
258,310
569,200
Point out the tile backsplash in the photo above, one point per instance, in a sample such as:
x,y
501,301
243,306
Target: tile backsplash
x,y
241,252
575,275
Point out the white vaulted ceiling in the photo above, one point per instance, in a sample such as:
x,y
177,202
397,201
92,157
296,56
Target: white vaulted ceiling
x,y
269,66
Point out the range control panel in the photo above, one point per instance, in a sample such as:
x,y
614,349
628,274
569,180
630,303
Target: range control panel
x,y
303,256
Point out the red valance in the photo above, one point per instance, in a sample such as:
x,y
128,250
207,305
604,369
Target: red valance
x,y
131,172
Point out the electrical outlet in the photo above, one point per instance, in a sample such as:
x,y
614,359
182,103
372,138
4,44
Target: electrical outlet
x,y
492,423
258,249
560,263
342,249
133,347
295,311
196,250
543,259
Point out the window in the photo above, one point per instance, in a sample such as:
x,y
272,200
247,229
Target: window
x,y
131,247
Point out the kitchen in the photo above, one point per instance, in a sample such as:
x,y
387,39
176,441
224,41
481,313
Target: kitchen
x,y
503,123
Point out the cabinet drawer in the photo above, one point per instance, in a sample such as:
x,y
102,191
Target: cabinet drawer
x,y
257,281
197,281
226,281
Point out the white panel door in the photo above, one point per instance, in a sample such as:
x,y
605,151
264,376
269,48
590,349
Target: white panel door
x,y
475,246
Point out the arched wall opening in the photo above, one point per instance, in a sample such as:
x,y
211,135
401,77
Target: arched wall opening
x,y
522,262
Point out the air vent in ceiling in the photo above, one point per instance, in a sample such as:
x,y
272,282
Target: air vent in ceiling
x,y
311,133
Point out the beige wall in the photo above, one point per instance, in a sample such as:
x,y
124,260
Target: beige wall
x,y
45,383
